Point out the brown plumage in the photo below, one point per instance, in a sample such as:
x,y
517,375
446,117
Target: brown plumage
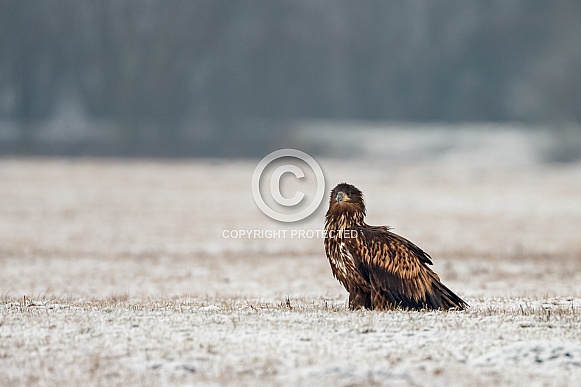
x,y
379,269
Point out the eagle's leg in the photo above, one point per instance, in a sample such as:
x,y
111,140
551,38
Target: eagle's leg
x,y
359,299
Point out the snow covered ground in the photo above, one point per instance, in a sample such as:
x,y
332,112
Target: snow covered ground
x,y
310,341
117,272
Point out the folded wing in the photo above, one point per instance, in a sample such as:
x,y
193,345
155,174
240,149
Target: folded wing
x,y
397,271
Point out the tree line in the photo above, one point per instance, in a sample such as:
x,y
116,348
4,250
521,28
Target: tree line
x,y
228,77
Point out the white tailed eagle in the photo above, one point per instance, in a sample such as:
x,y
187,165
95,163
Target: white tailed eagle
x,y
379,269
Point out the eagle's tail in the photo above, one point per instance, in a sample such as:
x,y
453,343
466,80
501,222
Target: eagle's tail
x,y
440,297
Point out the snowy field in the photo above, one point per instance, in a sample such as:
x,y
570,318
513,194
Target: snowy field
x,y
117,272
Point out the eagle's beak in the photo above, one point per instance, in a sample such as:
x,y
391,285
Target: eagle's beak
x,y
339,197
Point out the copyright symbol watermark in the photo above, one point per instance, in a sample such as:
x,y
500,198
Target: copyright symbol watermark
x,y
289,208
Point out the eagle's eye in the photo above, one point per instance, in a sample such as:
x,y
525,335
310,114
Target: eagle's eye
x,y
339,197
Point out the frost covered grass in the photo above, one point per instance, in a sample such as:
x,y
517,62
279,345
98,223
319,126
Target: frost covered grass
x,y
301,341
117,273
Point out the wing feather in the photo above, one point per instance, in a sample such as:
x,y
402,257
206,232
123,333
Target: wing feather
x,y
398,271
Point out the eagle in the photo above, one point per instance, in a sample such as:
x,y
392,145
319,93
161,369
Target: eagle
x,y
380,269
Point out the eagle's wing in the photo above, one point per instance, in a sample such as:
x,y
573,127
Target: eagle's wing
x,y
397,271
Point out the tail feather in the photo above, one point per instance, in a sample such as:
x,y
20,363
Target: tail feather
x,y
444,298
434,295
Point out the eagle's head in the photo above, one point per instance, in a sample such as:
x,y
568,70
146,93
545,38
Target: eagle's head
x,y
346,198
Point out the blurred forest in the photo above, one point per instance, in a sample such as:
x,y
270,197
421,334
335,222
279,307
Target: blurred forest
x,y
230,77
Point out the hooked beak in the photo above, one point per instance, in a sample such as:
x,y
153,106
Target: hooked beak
x,y
340,197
